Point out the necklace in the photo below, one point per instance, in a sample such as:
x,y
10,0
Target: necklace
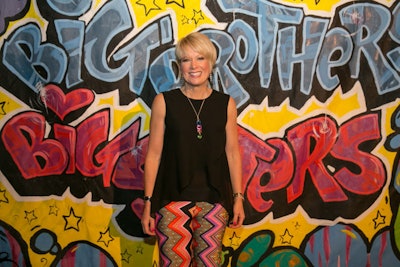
x,y
199,126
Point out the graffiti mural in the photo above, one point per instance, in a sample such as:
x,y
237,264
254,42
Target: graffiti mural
x,y
316,85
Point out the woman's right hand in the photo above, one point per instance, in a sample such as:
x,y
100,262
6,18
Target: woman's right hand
x,y
148,223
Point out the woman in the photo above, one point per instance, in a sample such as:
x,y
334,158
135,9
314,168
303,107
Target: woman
x,y
192,173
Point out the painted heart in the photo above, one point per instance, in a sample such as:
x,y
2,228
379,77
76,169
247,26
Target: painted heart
x,y
63,104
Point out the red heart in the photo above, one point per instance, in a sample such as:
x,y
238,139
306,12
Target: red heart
x,y
62,104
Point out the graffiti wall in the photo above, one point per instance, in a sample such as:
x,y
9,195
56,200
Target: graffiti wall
x,y
316,84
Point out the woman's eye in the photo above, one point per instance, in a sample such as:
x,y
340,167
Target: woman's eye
x,y
185,60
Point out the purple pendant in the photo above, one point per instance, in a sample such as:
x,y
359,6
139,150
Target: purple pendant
x,y
199,129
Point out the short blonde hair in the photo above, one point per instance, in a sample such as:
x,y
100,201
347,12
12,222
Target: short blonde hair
x,y
200,43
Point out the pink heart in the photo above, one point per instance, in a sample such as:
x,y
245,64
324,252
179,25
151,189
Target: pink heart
x,y
62,104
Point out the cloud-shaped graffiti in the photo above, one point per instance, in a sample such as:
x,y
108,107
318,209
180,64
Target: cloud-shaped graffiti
x,y
344,245
79,253
11,10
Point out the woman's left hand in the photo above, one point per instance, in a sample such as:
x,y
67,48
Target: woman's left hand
x,y
238,213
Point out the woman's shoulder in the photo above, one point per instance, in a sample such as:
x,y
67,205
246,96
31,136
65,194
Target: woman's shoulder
x,y
172,94
220,95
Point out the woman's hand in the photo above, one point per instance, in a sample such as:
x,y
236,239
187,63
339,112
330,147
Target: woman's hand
x,y
148,223
238,213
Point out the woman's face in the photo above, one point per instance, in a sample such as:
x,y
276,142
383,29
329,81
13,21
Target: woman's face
x,y
195,68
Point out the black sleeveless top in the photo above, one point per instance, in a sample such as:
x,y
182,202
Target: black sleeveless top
x,y
193,169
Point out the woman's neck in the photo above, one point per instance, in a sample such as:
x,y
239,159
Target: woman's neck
x,y
195,92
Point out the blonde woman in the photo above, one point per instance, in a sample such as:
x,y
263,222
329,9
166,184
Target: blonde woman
x,y
192,180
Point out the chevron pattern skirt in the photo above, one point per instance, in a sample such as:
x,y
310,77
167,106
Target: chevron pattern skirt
x,y
190,233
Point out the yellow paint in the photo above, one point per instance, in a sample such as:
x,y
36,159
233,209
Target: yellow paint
x,y
28,215
349,233
287,231
270,120
123,116
93,220
189,15
8,104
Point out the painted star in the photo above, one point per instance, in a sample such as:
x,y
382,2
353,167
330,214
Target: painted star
x,y
2,111
105,237
139,249
125,256
179,3
379,219
286,237
234,239
197,16
30,216
72,221
185,20
53,209
3,197
148,6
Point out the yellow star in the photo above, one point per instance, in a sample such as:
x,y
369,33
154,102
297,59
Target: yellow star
x,y
179,3
234,239
125,256
2,111
139,249
72,221
286,237
105,237
148,6
185,20
53,209
30,216
379,219
197,16
3,197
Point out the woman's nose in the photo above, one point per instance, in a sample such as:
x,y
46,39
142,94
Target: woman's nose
x,y
193,64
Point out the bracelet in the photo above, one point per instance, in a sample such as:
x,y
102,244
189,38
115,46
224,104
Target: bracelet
x,y
147,198
239,195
